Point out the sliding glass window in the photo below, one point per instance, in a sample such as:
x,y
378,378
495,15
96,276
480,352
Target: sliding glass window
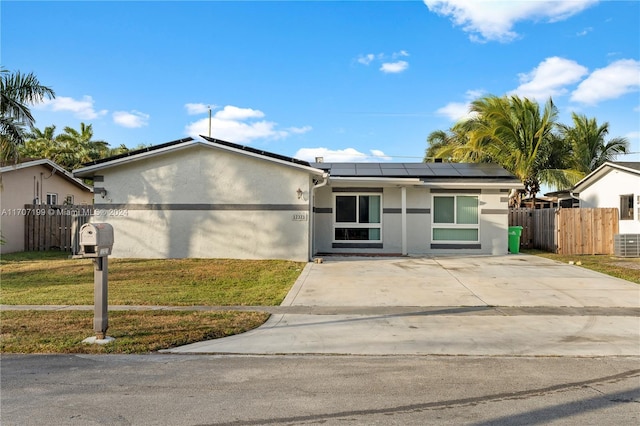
x,y
358,217
455,218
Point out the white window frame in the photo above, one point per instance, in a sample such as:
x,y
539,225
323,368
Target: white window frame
x,y
337,224
52,196
454,225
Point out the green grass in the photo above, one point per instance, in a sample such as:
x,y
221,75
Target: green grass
x,y
51,278
625,268
135,332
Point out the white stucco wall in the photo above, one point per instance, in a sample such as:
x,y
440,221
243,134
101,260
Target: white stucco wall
x,y
22,186
606,192
206,203
493,227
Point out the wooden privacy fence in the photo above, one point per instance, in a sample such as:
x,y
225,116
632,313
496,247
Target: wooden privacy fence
x,y
567,231
49,227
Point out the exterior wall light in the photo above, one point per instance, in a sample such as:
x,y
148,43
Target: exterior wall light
x,y
299,192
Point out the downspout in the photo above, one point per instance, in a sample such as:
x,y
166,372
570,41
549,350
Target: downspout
x,y
403,202
312,230
575,198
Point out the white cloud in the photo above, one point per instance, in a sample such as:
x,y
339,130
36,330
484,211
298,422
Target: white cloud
x,y
341,155
394,67
400,54
494,19
366,59
82,109
617,79
456,111
131,119
299,130
230,112
237,125
584,32
198,108
549,78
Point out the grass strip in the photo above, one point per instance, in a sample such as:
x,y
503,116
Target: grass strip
x,y
30,332
624,268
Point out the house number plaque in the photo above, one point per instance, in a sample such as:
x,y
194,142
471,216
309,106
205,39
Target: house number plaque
x,y
300,217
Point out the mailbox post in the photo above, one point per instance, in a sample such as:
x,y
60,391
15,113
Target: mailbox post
x,y
96,243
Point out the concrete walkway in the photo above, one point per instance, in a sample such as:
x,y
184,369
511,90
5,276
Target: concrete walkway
x,y
484,305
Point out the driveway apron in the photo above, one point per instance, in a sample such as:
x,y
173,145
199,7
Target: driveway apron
x,y
514,305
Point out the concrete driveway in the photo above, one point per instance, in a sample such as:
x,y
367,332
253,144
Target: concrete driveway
x,y
472,305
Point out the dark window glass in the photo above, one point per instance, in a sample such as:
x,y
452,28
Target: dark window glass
x,y
626,207
346,208
346,234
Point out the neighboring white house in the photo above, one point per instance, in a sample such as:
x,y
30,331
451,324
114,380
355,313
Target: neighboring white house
x,y
40,182
210,198
614,184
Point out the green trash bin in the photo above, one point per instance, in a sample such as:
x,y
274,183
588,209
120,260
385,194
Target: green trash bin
x,y
514,239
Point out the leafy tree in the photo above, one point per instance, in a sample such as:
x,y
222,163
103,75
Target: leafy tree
x,y
17,92
587,141
69,149
40,144
517,134
79,147
450,144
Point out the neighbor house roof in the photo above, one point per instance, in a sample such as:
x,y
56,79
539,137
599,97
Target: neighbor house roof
x,y
57,169
91,168
631,167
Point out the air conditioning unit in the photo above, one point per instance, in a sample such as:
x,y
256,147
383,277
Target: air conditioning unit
x,y
626,245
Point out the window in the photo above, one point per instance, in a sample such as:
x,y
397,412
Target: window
x,y
626,207
455,218
69,200
52,199
357,217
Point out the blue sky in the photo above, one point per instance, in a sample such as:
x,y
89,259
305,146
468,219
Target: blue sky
x,y
349,81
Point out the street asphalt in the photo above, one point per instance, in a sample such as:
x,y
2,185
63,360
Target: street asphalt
x,y
512,305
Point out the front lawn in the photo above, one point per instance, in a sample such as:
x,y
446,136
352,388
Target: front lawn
x,y
134,331
51,278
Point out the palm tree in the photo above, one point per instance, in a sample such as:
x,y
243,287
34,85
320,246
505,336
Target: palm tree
x,y
69,149
40,144
452,144
587,141
516,134
78,147
17,92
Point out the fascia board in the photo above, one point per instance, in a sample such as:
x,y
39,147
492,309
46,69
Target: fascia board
x,y
376,181
474,185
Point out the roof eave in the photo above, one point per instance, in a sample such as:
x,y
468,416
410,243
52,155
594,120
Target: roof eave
x,y
599,173
89,171
42,162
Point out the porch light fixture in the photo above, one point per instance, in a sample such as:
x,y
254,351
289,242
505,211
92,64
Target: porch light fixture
x,y
299,192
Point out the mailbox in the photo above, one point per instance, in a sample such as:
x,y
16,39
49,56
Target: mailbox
x,y
96,240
